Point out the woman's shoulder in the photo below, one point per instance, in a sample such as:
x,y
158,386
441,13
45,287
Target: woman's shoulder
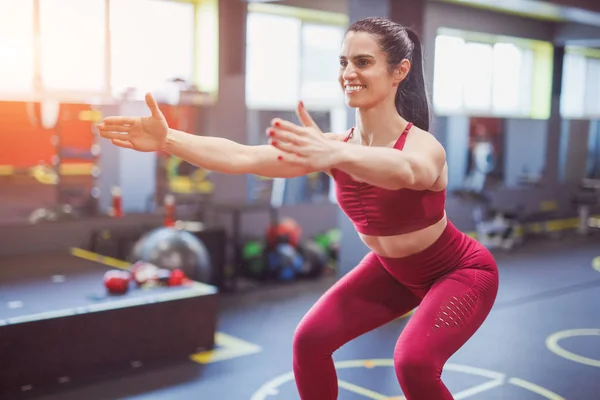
x,y
421,137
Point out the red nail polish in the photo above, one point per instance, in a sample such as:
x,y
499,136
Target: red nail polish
x,y
301,104
273,142
277,124
271,132
279,158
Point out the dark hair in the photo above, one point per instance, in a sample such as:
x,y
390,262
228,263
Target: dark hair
x,y
400,43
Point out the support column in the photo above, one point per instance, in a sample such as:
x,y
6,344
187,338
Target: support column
x,y
410,13
555,122
228,115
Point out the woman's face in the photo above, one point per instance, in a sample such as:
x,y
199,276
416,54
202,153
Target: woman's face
x,y
364,75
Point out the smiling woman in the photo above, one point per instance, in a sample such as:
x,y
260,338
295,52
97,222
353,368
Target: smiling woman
x,y
391,176
398,54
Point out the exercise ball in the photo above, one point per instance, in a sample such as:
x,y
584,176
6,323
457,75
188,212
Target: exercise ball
x,y
171,248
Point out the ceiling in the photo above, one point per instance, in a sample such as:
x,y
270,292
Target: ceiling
x,y
586,12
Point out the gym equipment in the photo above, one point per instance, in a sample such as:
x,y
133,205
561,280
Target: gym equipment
x,y
502,230
172,249
330,242
119,240
147,275
52,116
117,282
143,272
587,198
284,262
483,159
285,231
253,260
495,228
176,278
316,259
62,212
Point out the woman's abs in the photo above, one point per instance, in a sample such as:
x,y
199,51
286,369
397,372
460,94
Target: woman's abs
x,y
406,244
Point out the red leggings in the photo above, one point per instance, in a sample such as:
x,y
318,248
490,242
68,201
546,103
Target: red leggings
x,y
454,282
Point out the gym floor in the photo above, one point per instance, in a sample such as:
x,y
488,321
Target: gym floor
x,y
540,342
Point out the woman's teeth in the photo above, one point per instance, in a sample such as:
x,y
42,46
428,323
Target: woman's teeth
x,y
354,88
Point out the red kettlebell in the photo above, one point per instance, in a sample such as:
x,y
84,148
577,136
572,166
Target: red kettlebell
x,y
116,282
177,277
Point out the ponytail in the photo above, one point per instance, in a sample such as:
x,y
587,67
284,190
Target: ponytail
x,y
411,99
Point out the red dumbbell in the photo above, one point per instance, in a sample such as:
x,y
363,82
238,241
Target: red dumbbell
x,y
117,282
177,278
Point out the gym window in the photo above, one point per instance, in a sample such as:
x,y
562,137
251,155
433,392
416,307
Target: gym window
x,y
580,96
484,75
72,40
272,61
292,54
144,56
95,49
16,47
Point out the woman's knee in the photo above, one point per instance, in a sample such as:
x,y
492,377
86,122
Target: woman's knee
x,y
312,337
317,334
413,367
305,337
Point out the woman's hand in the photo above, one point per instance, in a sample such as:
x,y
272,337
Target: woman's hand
x,y
137,133
304,145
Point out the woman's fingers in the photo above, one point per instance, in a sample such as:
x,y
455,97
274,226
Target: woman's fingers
x,y
114,135
120,121
283,146
288,126
113,128
153,106
283,135
304,116
114,131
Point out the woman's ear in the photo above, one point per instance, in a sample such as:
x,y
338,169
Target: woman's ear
x,y
401,71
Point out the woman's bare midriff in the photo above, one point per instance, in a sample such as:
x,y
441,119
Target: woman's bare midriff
x,y
398,246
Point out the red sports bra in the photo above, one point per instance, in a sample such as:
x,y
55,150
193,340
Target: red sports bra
x,y
375,211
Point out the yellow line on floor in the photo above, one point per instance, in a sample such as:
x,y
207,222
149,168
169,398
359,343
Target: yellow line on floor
x,y
553,346
227,347
532,387
596,264
482,387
